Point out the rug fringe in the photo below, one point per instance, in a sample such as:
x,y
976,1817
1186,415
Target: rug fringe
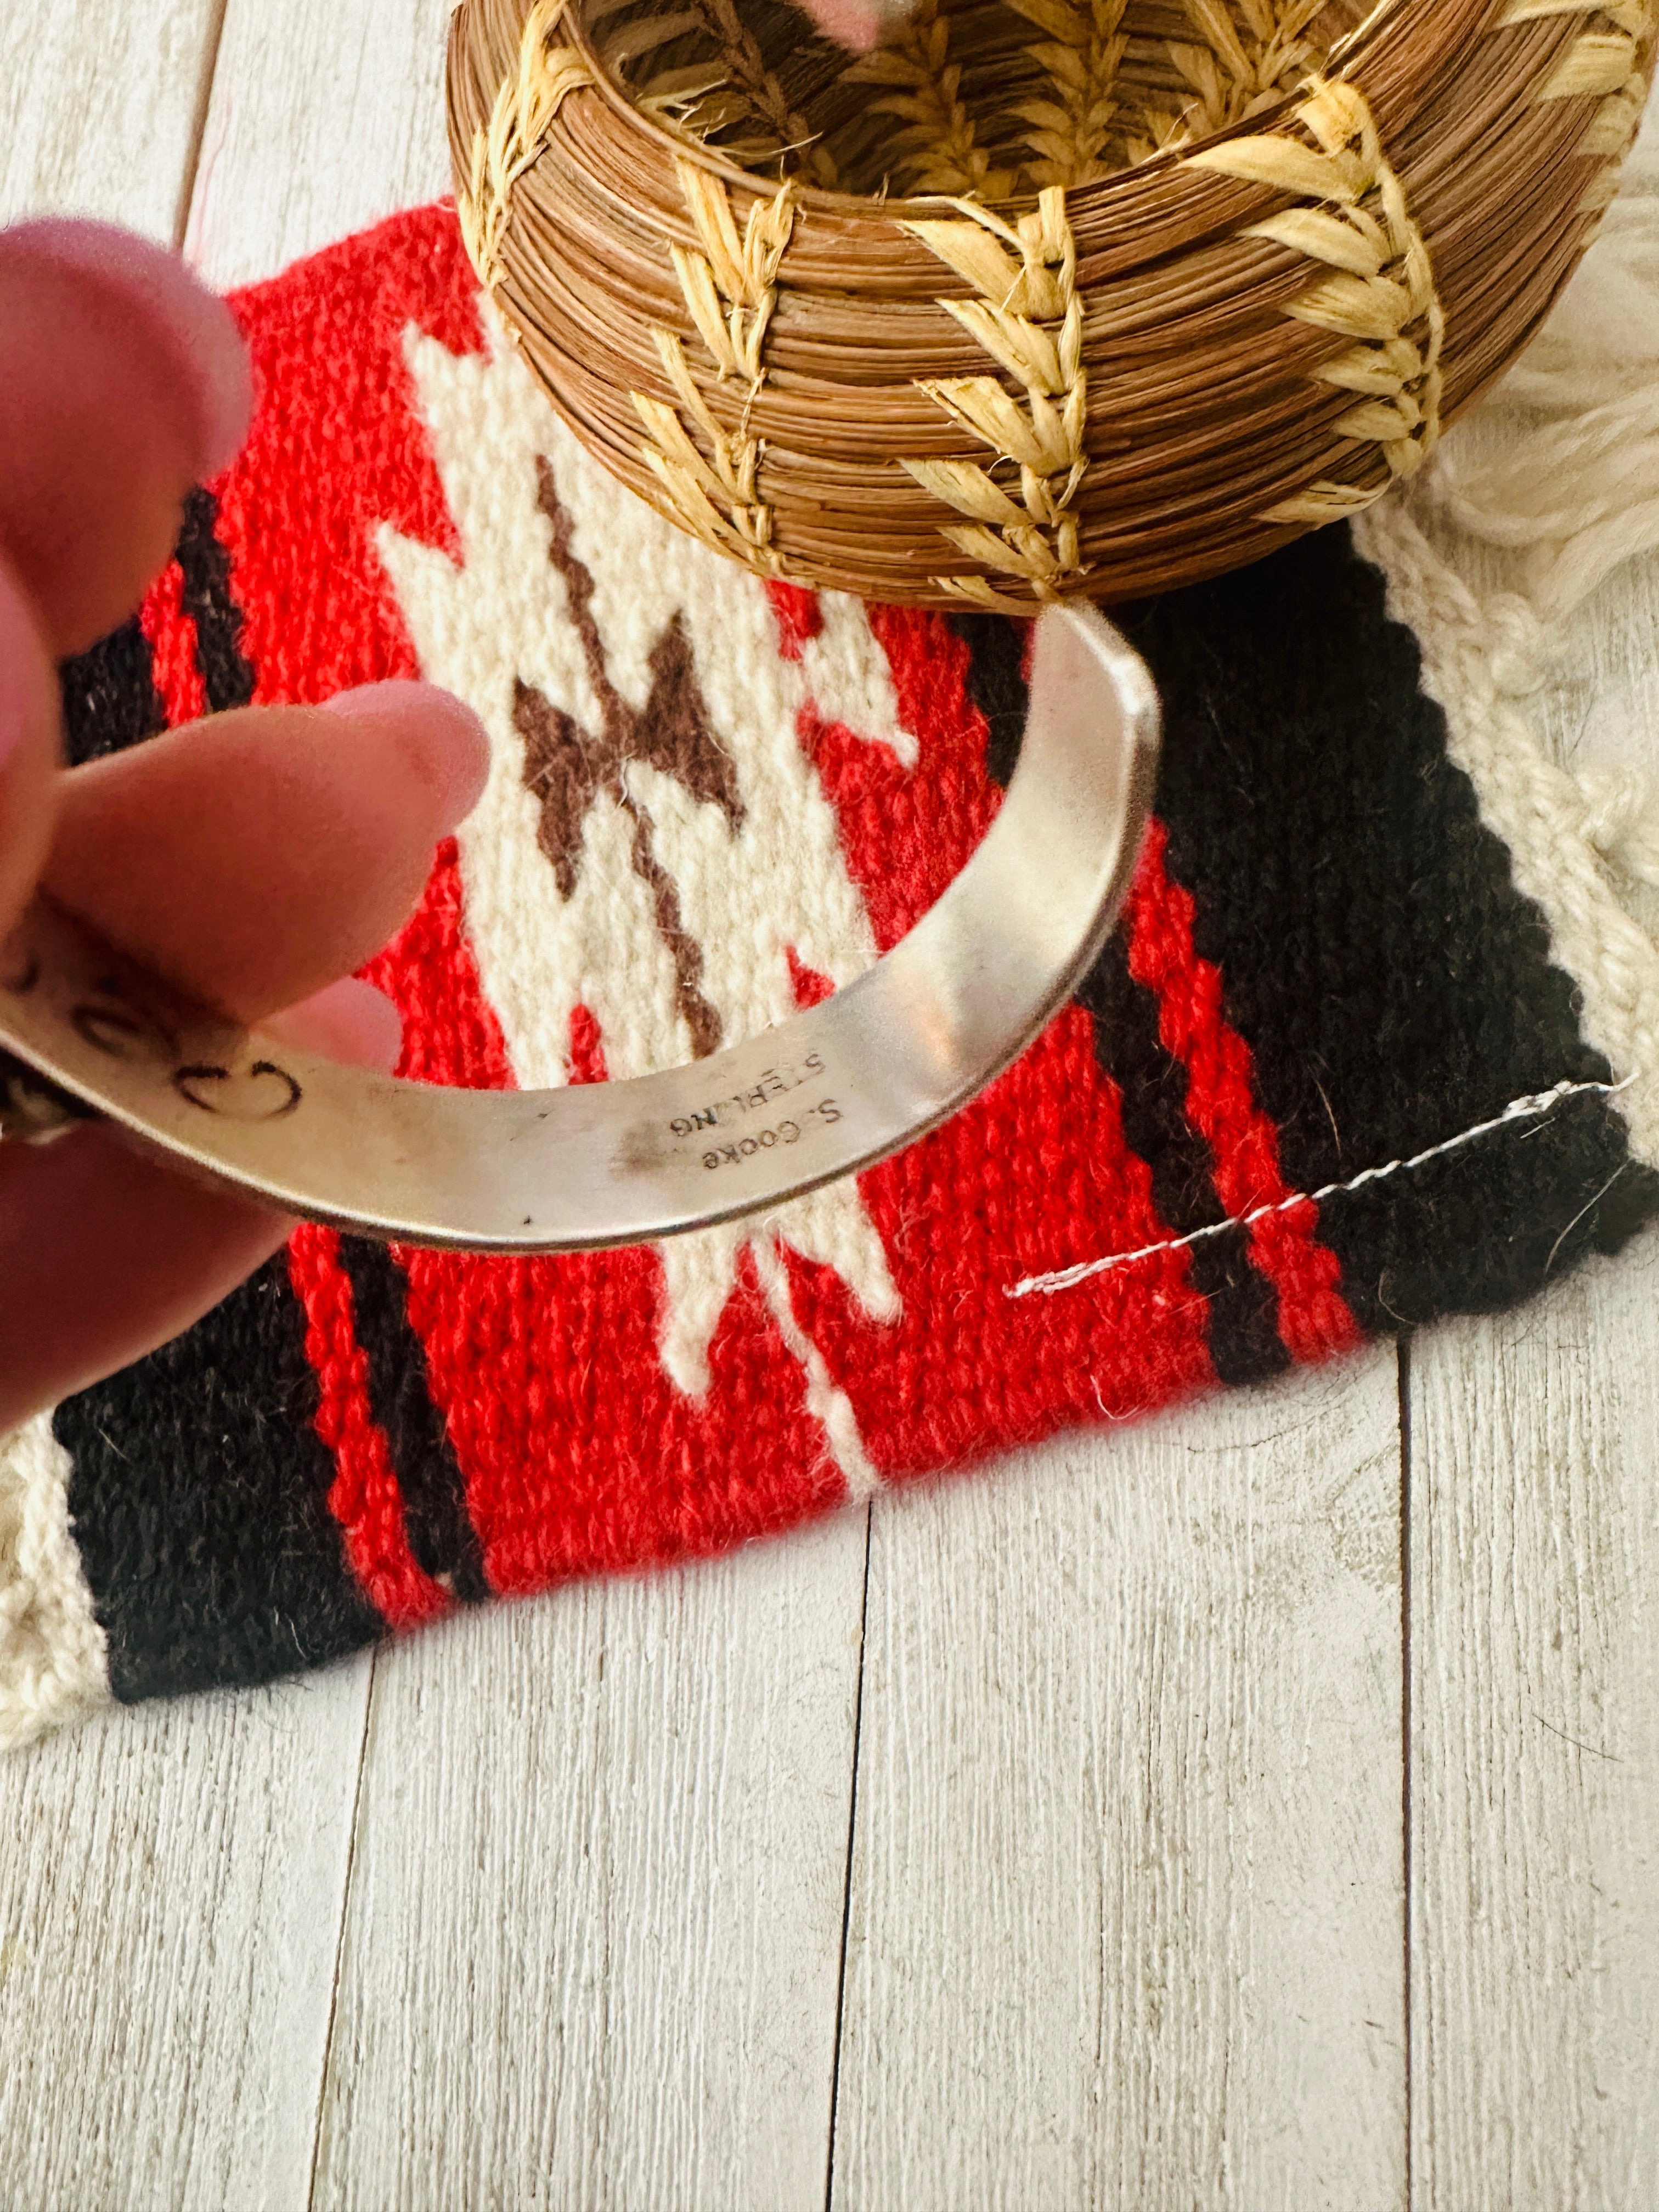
x,y
54,1661
1576,489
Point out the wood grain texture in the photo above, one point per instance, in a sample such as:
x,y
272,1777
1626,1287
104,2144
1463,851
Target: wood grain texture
x,y
170,1883
325,115
1535,1576
1534,1521
99,108
593,1947
1127,1901
173,1884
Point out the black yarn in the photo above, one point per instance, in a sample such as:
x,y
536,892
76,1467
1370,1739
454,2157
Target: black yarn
x,y
241,1578
199,1499
1244,1317
996,684
109,697
1394,985
441,1534
227,677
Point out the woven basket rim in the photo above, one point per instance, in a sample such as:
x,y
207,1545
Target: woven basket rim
x,y
1352,46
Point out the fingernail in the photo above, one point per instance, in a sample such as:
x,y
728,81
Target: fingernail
x,y
350,1022
198,329
447,744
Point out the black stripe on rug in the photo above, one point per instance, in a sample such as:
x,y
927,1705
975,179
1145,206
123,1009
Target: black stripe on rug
x,y
227,677
197,1496
1243,1307
1395,987
245,1579
440,1532
996,685
109,697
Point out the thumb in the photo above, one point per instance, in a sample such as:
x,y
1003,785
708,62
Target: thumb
x,y
28,752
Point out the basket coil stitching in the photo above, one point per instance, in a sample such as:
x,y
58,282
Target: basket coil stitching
x,y
524,110
935,147
1607,62
1381,288
1253,52
730,290
1030,319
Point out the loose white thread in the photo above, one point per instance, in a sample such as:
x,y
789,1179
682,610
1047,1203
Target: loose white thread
x,y
1529,1109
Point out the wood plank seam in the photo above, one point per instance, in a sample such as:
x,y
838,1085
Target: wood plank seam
x,y
214,49
852,1840
340,1933
211,49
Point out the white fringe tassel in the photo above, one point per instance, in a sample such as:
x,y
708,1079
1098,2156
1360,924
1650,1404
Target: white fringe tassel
x,y
54,1664
1576,491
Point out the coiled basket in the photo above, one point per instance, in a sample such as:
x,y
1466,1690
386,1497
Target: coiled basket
x,y
1042,299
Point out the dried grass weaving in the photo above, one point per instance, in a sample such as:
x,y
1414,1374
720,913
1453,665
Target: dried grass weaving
x,y
1042,299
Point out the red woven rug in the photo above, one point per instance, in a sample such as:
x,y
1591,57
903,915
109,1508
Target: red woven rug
x,y
1349,1064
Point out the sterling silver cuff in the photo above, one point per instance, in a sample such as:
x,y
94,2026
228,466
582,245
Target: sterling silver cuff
x,y
835,1089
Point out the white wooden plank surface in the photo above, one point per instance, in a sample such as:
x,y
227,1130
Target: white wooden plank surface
x,y
1535,1574
325,115
100,107
591,1952
1126,1902
169,1882
1534,1552
173,1883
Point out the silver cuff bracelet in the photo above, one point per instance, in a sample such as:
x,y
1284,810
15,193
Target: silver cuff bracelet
x,y
83,1031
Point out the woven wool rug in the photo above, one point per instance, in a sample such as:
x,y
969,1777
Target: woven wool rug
x,y
1368,1048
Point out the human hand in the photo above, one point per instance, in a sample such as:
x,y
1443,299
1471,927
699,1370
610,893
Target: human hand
x,y
856,23
254,860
